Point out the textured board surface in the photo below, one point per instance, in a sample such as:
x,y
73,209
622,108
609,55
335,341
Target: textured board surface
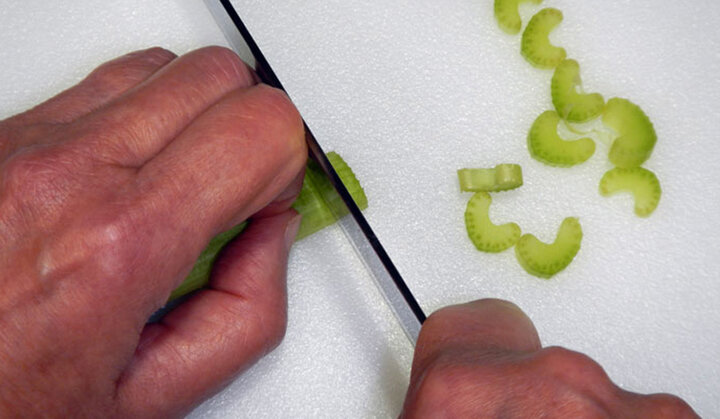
x,y
410,91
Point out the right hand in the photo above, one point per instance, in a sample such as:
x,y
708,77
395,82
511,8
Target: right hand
x,y
484,360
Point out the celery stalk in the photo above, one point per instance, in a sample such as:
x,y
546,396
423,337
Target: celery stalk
x,y
317,202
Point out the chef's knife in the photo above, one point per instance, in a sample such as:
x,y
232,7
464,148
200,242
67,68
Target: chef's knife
x,y
389,281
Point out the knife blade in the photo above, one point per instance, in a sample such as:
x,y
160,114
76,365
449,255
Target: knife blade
x,y
367,245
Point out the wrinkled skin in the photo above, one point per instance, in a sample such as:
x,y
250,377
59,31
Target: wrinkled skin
x,y
109,192
484,360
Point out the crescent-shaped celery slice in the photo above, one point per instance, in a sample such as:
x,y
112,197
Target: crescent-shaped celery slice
x,y
535,44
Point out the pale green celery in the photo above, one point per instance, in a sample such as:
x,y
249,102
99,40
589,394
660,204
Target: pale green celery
x,y
545,260
200,273
319,203
507,15
642,183
502,177
536,46
485,235
571,105
636,134
545,144
315,201
593,129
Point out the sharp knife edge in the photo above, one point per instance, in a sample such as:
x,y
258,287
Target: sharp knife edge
x,y
371,252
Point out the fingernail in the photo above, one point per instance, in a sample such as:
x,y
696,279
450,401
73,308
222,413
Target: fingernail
x,y
291,231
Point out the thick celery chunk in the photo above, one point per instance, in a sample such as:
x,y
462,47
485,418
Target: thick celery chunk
x,y
545,145
569,104
315,201
536,46
318,202
636,134
485,235
642,183
502,177
507,15
545,260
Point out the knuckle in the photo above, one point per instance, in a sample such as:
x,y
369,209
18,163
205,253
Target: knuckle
x,y
34,178
112,238
440,386
260,298
110,246
669,406
118,75
155,56
223,65
273,328
447,388
574,405
571,366
19,168
265,328
112,140
268,302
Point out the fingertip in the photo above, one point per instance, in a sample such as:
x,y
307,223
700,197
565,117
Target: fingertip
x,y
223,65
279,110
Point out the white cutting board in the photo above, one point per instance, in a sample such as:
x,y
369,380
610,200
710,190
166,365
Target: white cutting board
x,y
343,354
409,91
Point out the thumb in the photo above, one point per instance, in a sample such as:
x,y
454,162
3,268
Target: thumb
x,y
221,331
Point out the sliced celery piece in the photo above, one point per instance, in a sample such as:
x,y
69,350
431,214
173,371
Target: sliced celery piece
x,y
314,202
636,134
536,46
571,105
506,13
545,144
485,235
642,183
502,177
545,260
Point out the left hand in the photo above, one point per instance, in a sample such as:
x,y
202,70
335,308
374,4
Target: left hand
x,y
108,193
